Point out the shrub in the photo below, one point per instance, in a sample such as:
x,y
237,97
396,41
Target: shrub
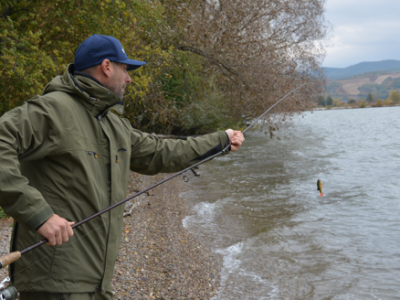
x,y
387,102
351,102
2,213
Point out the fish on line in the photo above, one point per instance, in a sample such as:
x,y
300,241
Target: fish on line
x,y
319,187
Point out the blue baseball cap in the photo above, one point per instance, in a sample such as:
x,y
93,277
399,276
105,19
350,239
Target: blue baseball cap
x,y
97,48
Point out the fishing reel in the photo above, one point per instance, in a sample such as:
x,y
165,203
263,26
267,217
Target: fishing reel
x,y
7,292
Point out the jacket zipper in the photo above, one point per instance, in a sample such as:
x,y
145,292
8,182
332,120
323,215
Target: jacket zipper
x,y
99,116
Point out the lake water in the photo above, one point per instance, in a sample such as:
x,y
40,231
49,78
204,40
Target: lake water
x,y
261,210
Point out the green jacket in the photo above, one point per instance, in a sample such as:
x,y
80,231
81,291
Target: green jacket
x,y
64,152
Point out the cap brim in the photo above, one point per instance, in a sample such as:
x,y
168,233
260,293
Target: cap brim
x,y
133,64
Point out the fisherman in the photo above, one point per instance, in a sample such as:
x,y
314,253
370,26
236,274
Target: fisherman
x,y
64,156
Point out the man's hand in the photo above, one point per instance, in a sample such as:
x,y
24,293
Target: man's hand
x,y
236,138
57,230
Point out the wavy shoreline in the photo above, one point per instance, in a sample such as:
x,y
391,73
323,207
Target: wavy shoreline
x,y
158,257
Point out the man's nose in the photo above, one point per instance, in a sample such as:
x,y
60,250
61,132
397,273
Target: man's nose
x,y
128,78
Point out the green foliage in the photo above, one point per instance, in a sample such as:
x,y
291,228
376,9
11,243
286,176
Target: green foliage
x,y
335,84
390,83
176,91
335,88
362,104
329,101
321,101
183,100
379,103
171,93
387,102
39,39
395,97
374,89
2,214
351,102
337,102
370,99
381,90
199,105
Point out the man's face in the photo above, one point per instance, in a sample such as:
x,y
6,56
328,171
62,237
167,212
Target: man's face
x,y
119,80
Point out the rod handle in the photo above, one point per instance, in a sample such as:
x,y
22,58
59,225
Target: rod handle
x,y
9,259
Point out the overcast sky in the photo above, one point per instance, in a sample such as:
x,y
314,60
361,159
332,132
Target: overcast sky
x,y
362,30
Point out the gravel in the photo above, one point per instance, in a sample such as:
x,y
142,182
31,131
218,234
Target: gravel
x,y
5,236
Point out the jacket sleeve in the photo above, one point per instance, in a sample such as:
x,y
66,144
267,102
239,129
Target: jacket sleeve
x,y
151,155
22,136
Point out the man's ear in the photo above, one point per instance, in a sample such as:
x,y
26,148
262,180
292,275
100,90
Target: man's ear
x,y
106,68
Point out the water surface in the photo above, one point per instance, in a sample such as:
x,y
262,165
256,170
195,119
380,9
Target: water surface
x,y
260,208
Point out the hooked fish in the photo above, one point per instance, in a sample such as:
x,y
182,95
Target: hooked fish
x,y
319,187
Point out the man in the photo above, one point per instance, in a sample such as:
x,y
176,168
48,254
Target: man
x,y
64,156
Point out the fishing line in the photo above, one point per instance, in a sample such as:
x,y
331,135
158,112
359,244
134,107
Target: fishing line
x,y
14,256
256,120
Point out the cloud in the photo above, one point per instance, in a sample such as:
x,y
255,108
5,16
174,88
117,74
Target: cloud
x,y
362,31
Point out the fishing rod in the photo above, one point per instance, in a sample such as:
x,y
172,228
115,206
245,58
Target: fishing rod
x,y
14,256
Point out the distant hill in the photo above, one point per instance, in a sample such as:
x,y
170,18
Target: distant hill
x,y
377,83
364,67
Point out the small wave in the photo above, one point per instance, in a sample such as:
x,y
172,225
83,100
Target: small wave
x,y
235,280
204,214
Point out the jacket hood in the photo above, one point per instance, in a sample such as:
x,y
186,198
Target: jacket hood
x,y
94,96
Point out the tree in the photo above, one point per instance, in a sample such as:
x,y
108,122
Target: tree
x,y
39,38
209,62
351,102
329,101
388,102
258,50
321,101
395,97
370,98
337,102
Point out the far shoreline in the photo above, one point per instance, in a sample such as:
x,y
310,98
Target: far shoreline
x,y
342,108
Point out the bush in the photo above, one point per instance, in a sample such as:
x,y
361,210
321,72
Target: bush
x,y
351,102
329,101
337,102
395,97
2,213
321,101
387,102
